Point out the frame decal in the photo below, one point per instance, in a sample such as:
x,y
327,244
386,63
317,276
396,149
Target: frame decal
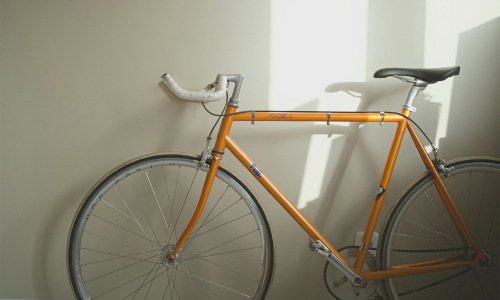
x,y
280,116
256,171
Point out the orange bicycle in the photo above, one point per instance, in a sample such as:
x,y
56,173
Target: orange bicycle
x,y
180,226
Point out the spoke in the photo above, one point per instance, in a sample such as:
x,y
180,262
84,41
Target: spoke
x,y
94,215
143,282
132,219
166,185
166,288
144,213
482,288
230,241
434,229
118,256
110,240
416,237
203,288
170,203
437,208
154,233
226,258
205,220
119,269
123,284
431,230
173,285
219,285
223,211
207,290
156,276
459,290
484,240
142,227
169,280
230,270
466,201
222,253
173,203
157,202
224,224
183,204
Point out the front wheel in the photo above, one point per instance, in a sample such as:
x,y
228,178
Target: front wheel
x,y
420,229
130,221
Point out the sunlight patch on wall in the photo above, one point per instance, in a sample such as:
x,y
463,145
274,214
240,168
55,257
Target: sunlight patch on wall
x,y
313,44
312,180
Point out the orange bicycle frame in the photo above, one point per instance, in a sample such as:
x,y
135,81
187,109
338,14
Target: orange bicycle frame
x,y
224,141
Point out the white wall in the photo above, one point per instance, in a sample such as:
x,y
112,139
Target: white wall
x,y
80,93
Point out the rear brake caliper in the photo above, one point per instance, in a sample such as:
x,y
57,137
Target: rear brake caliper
x,y
439,163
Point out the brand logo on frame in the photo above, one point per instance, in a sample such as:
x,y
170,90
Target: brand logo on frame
x,y
255,170
280,116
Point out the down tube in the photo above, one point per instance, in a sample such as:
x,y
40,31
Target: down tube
x,y
292,210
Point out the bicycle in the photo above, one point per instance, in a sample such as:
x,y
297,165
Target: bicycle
x,y
181,226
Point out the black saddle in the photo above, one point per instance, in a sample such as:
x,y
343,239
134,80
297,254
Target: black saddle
x,y
427,75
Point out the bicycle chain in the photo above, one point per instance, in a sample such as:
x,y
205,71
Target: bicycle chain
x,y
417,251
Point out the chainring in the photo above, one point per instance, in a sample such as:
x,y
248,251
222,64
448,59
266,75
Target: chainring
x,y
340,287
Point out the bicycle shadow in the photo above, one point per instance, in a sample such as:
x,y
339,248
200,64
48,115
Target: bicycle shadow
x,y
359,155
355,163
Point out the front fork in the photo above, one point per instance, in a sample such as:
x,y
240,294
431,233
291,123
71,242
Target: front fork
x,y
205,159
215,156
207,187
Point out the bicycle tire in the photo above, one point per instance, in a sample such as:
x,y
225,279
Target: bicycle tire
x,y
412,234
132,217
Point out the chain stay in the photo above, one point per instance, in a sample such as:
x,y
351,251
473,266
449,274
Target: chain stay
x,y
422,251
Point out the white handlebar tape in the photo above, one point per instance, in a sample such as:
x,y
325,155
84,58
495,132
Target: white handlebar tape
x,y
203,96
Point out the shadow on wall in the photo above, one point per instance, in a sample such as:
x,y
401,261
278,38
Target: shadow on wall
x,y
356,160
473,126
358,156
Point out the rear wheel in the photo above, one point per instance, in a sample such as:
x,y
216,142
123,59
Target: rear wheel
x,y
130,221
420,229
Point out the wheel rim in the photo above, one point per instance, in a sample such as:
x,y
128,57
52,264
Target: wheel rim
x,y
127,224
475,186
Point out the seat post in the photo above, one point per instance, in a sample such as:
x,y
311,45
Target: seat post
x,y
418,86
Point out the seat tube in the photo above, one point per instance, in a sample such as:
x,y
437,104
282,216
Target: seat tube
x,y
380,196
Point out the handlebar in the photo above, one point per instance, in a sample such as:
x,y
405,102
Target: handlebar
x,y
206,95
220,84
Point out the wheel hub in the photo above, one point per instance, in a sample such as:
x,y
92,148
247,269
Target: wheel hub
x,y
167,260
485,263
